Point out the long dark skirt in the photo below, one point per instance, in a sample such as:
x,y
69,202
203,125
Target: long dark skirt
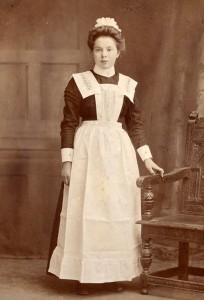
x,y
55,230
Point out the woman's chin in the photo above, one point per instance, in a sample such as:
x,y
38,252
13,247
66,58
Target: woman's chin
x,y
105,66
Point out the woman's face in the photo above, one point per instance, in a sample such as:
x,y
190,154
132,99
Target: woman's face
x,y
105,52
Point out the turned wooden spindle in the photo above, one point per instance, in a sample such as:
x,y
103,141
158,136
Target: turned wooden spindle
x,y
146,260
147,203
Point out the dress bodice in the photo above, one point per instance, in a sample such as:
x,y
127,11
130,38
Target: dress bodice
x,y
90,96
109,96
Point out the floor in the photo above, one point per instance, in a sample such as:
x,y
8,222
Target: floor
x,y
25,279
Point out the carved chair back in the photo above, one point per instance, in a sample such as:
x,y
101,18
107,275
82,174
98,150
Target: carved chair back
x,y
192,195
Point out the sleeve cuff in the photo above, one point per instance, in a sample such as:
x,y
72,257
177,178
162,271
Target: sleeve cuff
x,y
67,154
144,152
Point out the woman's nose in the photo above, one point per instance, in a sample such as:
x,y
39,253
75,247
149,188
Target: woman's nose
x,y
104,54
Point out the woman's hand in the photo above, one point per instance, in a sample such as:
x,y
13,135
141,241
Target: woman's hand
x,y
66,171
151,166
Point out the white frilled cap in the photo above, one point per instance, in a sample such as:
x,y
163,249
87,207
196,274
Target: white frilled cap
x,y
107,22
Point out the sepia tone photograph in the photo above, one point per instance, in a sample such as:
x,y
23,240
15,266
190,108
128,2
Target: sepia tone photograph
x,y
101,149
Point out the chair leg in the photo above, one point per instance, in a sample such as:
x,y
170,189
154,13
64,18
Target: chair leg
x,y
146,260
183,260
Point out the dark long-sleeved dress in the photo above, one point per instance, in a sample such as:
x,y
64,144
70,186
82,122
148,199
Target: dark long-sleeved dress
x,y
98,240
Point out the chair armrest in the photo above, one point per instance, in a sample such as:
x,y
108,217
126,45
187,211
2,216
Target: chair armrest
x,y
146,182
178,174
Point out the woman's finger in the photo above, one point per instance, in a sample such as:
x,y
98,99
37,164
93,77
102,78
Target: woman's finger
x,y
160,170
66,180
151,171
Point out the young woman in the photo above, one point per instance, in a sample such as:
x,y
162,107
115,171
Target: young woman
x,y
98,240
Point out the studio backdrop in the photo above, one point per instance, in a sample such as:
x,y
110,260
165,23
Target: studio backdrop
x,y
42,43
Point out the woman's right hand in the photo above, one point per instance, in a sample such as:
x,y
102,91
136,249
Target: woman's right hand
x,y
66,171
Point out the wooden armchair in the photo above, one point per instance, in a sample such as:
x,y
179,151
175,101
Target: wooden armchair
x,y
185,227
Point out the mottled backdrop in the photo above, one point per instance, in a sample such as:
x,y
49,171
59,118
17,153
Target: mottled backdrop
x,y
42,43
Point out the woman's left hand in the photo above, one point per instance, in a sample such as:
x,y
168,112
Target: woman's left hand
x,y
151,166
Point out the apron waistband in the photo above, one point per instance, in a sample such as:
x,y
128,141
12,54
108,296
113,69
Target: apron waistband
x,y
103,123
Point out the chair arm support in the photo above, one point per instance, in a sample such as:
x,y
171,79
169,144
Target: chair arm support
x,y
178,174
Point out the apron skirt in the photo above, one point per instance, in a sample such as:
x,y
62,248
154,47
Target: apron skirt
x,y
98,240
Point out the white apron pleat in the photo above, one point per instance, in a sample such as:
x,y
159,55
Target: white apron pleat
x,y
98,239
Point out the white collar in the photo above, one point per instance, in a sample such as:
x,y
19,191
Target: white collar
x,y
104,72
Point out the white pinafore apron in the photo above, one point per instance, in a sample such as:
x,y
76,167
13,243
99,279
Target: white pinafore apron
x,y
98,239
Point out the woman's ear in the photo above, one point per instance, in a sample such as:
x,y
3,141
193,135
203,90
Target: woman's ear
x,y
118,54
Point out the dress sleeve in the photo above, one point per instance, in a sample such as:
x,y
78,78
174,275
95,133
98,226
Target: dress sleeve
x,y
72,98
135,129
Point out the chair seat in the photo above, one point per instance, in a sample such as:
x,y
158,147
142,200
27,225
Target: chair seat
x,y
177,221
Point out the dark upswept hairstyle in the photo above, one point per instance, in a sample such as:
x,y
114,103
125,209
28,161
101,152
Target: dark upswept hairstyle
x,y
106,31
